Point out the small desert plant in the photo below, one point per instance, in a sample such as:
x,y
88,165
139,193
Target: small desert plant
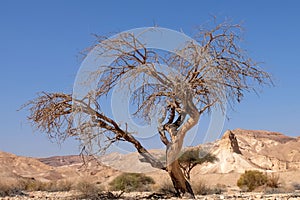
x,y
56,186
252,179
52,186
279,190
8,189
201,188
193,157
4,189
218,189
166,187
296,186
129,182
88,189
273,181
27,184
31,185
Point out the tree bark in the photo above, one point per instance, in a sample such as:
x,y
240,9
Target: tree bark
x,y
177,131
180,183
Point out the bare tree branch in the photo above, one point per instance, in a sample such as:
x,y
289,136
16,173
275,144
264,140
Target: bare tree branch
x,y
198,77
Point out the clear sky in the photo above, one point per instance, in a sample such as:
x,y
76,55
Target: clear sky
x,y
40,43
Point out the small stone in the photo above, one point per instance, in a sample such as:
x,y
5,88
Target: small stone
x,y
31,195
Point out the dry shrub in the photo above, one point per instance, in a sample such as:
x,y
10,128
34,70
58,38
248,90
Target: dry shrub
x,y
130,182
218,189
280,190
296,186
256,180
88,189
166,187
32,185
57,186
9,189
252,179
200,188
273,181
52,186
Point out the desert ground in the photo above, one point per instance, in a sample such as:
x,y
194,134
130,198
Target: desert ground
x,y
237,151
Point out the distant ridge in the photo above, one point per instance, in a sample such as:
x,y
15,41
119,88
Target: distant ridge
x,y
238,150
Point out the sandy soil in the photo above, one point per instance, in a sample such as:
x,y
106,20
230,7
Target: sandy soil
x,y
144,195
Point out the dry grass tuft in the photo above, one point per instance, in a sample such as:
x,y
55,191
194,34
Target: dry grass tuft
x,y
296,186
166,187
273,180
88,190
200,188
14,187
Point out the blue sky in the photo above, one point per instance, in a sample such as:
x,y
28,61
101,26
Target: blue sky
x,y
40,43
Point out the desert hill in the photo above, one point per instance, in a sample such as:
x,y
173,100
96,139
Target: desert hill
x,y
12,165
53,168
241,150
238,150
57,161
269,150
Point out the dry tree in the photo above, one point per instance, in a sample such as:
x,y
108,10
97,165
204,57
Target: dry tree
x,y
201,76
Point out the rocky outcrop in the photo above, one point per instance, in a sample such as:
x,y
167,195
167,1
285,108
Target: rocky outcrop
x,y
230,157
269,150
230,142
239,150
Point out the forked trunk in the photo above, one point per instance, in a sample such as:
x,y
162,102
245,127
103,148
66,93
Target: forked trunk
x,y
180,183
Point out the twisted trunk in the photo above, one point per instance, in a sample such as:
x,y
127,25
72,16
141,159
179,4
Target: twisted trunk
x,y
181,185
177,131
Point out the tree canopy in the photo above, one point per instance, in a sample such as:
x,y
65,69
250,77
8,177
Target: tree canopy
x,y
198,77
